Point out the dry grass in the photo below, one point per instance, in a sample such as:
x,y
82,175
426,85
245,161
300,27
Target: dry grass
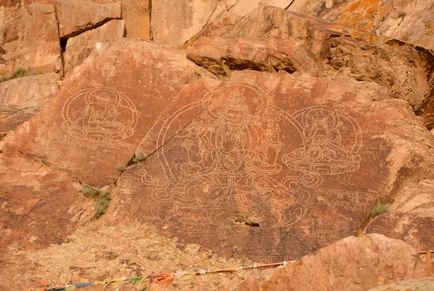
x,y
100,251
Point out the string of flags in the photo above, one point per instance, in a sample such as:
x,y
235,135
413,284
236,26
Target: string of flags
x,y
163,278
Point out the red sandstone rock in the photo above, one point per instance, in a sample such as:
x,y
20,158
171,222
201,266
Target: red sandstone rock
x,y
173,23
80,15
270,39
409,21
29,40
39,205
265,160
269,165
137,16
80,47
411,215
103,111
349,264
22,98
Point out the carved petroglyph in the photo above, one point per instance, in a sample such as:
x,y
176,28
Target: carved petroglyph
x,y
244,157
101,116
326,148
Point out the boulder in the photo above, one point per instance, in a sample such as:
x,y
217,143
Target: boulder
x,y
79,47
80,15
21,98
349,264
271,39
103,111
28,40
411,215
266,160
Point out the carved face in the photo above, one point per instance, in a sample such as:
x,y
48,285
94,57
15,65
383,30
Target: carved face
x,y
103,107
235,114
323,129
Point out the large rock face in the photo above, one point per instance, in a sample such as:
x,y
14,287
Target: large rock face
x,y
102,112
263,160
29,39
272,136
174,23
270,39
276,173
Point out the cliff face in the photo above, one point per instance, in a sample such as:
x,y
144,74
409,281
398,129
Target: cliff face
x,y
140,137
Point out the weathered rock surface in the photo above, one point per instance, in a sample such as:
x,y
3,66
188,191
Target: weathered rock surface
x,y
411,216
22,98
265,160
102,112
7,3
80,15
243,7
80,47
271,39
409,21
304,127
349,264
173,23
39,205
137,16
427,110
29,39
